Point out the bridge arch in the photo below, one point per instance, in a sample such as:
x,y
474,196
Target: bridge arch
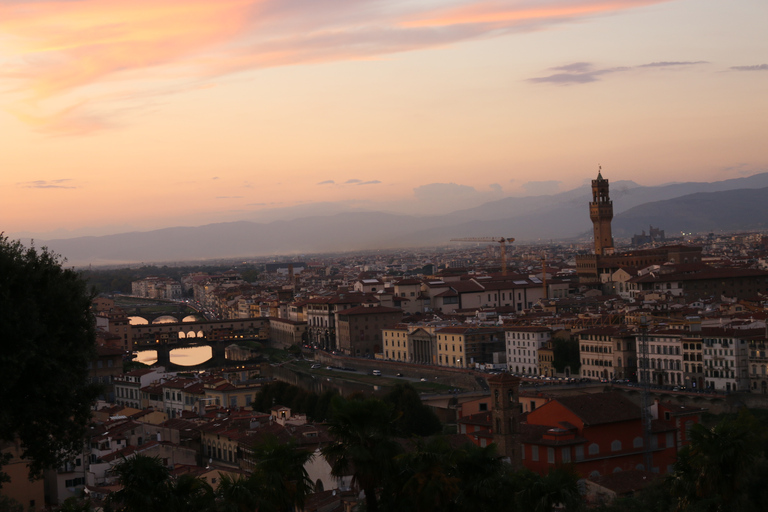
x,y
165,319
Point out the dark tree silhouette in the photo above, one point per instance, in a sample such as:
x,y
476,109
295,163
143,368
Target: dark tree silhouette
x,y
363,444
47,344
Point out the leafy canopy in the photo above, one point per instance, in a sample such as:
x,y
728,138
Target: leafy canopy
x,y
47,342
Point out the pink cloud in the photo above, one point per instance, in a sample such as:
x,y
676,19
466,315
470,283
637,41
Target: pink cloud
x,y
59,48
500,13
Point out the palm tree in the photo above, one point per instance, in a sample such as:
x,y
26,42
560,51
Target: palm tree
x,y
485,479
714,470
189,493
425,479
145,483
281,475
363,444
558,488
237,494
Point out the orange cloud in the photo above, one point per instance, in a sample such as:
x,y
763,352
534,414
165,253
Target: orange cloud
x,y
58,47
505,13
65,45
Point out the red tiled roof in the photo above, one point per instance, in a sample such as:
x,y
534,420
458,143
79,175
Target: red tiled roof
x,y
601,408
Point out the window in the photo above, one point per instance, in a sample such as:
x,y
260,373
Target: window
x,y
550,455
594,449
565,454
616,446
534,453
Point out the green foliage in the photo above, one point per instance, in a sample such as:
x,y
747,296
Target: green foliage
x,y
47,344
281,476
10,505
299,400
119,279
719,467
129,366
415,418
559,486
566,353
363,444
250,275
146,485
75,504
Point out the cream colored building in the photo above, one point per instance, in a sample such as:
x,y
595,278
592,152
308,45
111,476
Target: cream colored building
x,y
523,344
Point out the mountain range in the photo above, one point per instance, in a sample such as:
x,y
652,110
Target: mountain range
x,y
730,205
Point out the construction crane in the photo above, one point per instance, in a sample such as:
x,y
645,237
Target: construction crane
x,y
499,240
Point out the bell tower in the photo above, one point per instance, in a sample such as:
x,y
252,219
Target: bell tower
x,y
601,214
505,417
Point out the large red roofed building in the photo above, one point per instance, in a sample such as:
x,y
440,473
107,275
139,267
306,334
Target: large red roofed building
x,y
598,434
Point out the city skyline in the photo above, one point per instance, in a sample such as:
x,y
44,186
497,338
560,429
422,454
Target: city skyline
x,y
138,115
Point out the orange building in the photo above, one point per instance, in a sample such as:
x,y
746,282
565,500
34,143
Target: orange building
x,y
598,434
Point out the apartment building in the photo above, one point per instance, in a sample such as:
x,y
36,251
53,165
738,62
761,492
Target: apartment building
x,y
607,353
523,344
463,347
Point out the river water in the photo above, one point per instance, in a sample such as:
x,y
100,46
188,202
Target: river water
x,y
188,356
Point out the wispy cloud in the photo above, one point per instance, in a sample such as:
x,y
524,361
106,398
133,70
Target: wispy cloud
x,y
756,67
587,72
60,47
229,197
62,183
666,64
352,181
576,73
372,182
327,182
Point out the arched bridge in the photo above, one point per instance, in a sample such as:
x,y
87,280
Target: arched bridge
x,y
217,334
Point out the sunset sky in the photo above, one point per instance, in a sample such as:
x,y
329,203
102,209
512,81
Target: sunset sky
x,y
120,115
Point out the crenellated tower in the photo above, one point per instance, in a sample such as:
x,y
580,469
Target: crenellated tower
x,y
601,213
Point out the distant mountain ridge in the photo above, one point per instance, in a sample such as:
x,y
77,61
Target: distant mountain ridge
x,y
736,204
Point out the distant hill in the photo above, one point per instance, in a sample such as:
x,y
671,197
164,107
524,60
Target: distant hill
x,y
731,210
728,205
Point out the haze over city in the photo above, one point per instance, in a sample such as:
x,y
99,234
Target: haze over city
x,y
120,116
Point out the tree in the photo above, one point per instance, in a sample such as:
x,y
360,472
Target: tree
x,y
558,488
363,444
281,475
47,344
566,353
415,418
237,494
720,466
425,479
190,493
146,485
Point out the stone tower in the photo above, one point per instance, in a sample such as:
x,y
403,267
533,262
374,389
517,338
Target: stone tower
x,y
505,417
601,213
